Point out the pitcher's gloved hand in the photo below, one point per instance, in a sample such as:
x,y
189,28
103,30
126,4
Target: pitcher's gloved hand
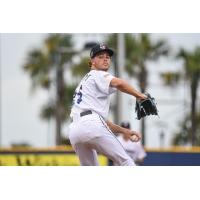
x,y
146,107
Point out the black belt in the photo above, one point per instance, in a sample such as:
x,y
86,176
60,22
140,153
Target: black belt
x,y
87,112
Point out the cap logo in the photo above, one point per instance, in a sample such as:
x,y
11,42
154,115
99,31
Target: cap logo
x,y
102,46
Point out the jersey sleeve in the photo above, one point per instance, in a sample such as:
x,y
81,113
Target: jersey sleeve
x,y
102,80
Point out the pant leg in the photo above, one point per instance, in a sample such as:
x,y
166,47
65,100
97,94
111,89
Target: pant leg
x,y
87,155
109,146
89,134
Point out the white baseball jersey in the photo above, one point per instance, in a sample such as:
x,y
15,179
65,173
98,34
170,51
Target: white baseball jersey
x,y
90,134
134,149
93,93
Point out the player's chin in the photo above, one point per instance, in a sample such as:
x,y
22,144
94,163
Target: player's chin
x,y
105,68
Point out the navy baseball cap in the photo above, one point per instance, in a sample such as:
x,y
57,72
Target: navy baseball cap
x,y
99,48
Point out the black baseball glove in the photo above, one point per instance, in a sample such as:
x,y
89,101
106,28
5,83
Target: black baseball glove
x,y
146,107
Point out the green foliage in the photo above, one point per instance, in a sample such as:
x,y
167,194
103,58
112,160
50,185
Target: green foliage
x,y
42,63
146,50
68,97
189,128
80,69
48,110
170,78
54,44
183,136
191,62
192,74
139,49
37,66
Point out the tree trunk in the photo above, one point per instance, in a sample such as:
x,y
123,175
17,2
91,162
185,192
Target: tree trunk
x,y
194,86
143,86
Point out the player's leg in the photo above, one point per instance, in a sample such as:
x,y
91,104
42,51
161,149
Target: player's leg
x,y
87,155
109,146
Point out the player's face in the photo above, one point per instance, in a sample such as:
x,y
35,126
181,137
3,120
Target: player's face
x,y
101,61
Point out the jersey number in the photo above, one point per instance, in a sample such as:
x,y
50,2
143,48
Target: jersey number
x,y
79,94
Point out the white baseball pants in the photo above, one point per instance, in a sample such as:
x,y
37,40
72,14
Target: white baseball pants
x,y
90,134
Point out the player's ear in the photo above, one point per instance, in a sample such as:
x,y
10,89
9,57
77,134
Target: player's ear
x,y
92,61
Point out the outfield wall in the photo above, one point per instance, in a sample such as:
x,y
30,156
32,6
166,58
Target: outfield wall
x,y
65,156
176,156
59,156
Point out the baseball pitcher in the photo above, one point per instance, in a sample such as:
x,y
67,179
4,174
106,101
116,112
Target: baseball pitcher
x,y
90,131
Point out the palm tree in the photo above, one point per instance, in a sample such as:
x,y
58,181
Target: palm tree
x,y
170,78
81,68
191,73
139,50
182,137
41,64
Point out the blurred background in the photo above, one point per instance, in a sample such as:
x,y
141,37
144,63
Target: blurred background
x,y
38,75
